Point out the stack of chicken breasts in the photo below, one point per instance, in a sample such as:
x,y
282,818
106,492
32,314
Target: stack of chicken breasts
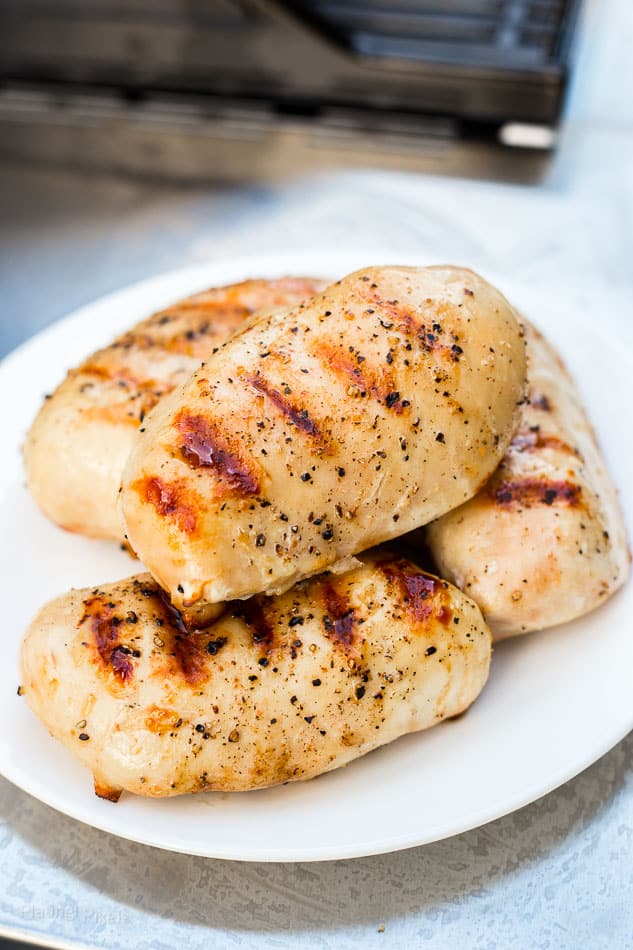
x,y
263,448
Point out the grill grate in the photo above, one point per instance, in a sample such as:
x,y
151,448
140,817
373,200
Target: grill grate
x,y
500,33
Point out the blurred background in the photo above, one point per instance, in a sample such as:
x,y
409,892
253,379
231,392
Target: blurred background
x,y
244,89
138,136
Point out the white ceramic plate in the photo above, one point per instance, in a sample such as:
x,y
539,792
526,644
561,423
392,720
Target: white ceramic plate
x,y
556,701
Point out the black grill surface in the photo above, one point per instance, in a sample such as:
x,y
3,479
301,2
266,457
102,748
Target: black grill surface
x,y
500,33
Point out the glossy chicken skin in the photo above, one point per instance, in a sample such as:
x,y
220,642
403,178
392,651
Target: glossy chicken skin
x,y
544,541
77,447
324,429
277,689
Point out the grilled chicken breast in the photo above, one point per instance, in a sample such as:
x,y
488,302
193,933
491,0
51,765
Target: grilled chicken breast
x,y
277,689
544,541
77,447
324,429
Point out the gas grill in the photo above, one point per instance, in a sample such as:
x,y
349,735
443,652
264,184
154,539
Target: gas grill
x,y
312,76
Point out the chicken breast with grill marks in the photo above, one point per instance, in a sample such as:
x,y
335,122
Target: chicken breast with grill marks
x,y
77,447
544,541
277,689
324,429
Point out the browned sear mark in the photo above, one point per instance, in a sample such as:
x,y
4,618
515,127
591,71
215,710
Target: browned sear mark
x,y
105,627
444,614
528,440
204,445
191,654
171,500
167,611
197,339
421,592
140,395
188,329
427,330
527,492
369,381
254,614
340,618
300,418
107,372
188,326
189,650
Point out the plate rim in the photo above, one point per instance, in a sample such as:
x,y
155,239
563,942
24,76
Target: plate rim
x,y
292,262
375,848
